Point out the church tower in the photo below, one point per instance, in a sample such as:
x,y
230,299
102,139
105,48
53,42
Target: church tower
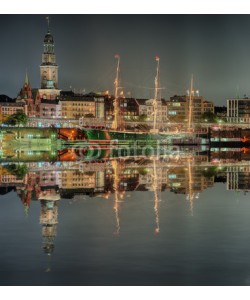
x,y
49,68
26,91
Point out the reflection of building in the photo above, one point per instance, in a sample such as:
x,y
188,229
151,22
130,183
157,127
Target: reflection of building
x,y
179,180
238,178
49,195
49,221
30,190
75,182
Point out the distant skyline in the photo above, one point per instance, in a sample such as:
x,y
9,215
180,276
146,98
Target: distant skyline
x,y
215,48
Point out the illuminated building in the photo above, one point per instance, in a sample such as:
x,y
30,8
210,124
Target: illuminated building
x,y
30,97
178,108
43,102
9,107
76,106
238,178
49,69
50,108
238,110
146,108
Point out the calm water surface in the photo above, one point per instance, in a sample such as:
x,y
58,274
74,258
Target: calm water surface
x,y
100,241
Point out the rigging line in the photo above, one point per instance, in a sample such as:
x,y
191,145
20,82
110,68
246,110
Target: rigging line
x,y
107,76
142,87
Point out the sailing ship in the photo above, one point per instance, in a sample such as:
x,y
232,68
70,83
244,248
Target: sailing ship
x,y
118,134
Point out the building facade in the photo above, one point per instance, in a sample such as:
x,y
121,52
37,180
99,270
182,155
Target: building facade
x,y
76,106
49,70
146,108
238,110
8,108
178,108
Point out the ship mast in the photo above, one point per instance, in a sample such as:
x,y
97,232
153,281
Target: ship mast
x,y
155,100
190,104
116,100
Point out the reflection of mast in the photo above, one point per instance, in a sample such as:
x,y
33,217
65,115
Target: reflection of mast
x,y
190,196
116,192
155,100
115,122
156,187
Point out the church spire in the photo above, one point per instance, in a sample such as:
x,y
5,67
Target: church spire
x,y
26,81
47,18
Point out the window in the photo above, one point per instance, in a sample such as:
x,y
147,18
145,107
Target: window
x,y
172,176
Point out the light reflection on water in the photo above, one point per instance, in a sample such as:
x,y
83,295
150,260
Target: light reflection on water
x,y
126,221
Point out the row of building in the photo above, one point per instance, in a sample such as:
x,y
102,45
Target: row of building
x,y
49,102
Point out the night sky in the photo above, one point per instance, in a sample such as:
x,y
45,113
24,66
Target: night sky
x,y
215,48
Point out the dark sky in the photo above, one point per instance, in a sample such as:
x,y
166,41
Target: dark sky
x,y
215,48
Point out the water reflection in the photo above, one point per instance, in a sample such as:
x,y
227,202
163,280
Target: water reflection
x,y
113,179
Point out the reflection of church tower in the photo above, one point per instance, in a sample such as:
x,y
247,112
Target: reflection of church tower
x,y
49,221
49,68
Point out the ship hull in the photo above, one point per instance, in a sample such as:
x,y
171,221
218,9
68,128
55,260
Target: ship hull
x,y
122,136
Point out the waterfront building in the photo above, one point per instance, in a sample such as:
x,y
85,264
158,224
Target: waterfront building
x,y
10,108
76,106
50,108
178,108
238,110
129,108
146,109
220,111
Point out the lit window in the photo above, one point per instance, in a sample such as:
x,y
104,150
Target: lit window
x,y
172,176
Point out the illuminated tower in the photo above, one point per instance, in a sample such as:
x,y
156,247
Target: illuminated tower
x,y
49,68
